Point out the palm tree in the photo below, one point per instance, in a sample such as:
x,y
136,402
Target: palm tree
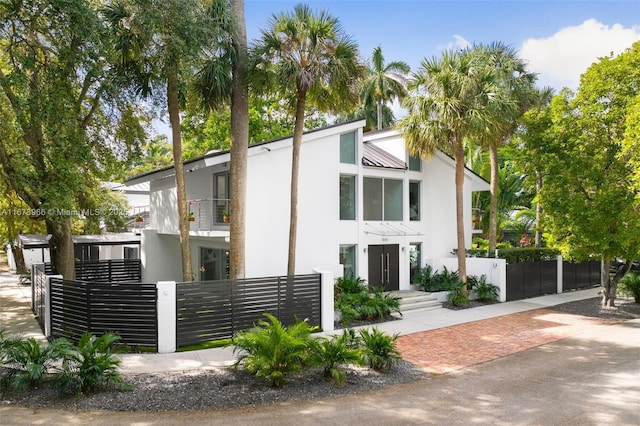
x,y
384,82
158,43
514,94
306,59
447,103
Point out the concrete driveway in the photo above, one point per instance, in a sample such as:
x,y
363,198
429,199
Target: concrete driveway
x,y
589,379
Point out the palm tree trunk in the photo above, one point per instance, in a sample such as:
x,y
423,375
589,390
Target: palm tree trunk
x,y
239,143
538,238
462,260
181,192
379,114
493,203
295,167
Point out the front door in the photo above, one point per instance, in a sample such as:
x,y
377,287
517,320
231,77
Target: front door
x,y
384,266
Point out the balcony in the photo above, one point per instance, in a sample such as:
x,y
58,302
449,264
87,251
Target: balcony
x,y
209,214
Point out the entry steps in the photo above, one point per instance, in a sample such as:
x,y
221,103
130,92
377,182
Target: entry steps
x,y
411,300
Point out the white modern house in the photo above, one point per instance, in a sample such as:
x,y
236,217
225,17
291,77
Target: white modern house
x,y
363,203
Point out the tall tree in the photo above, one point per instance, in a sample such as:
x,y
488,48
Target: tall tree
x,y
307,59
65,121
160,44
590,205
514,94
383,83
448,102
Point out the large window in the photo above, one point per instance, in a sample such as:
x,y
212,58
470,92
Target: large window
x,y
348,260
414,200
415,259
382,199
347,197
214,264
348,148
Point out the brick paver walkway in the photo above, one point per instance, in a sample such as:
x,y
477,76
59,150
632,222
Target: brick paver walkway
x,y
449,349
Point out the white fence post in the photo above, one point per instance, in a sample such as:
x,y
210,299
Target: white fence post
x,y
328,274
166,316
560,280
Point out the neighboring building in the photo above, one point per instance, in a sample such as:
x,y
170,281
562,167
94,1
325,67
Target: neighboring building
x,y
35,248
363,202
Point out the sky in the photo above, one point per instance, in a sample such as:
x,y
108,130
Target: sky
x,y
558,39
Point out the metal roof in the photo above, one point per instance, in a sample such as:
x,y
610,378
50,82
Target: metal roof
x,y
375,156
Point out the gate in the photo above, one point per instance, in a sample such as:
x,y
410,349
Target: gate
x,y
531,279
39,294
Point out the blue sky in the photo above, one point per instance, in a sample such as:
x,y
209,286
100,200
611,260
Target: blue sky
x,y
559,39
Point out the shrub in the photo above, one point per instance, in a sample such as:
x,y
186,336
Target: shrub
x,y
424,278
91,365
333,352
368,304
349,285
458,297
379,349
485,291
26,364
271,351
630,285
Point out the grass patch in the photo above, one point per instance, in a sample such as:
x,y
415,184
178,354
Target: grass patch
x,y
205,345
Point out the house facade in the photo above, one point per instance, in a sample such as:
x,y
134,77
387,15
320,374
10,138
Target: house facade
x,y
364,203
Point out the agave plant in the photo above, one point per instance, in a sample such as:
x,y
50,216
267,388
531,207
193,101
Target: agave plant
x,y
272,351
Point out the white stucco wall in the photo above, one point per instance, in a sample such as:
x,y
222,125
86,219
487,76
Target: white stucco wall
x,y
160,258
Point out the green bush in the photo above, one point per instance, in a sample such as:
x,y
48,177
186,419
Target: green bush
x,y
26,364
630,285
271,351
369,304
331,353
91,365
458,295
349,285
379,349
516,254
485,291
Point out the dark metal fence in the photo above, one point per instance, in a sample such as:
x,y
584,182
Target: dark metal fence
x,y
112,270
531,279
212,310
128,309
580,275
39,294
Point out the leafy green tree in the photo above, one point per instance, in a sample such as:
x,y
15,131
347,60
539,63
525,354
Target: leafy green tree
x,y
591,207
308,60
66,121
383,83
159,45
448,103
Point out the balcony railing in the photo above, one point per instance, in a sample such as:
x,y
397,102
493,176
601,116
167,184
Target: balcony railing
x,y
209,214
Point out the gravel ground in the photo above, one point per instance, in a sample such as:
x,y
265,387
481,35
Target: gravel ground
x,y
226,388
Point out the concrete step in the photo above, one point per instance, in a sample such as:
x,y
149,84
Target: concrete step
x,y
416,300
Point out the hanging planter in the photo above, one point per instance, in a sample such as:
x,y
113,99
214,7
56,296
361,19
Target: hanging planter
x,y
192,218
139,219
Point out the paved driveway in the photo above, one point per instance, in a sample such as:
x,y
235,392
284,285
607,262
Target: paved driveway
x,y
589,378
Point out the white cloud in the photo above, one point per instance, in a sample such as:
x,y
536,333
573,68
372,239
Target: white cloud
x,y
458,42
562,58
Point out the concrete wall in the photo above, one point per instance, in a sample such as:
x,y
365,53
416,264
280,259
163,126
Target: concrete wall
x,y
494,269
160,258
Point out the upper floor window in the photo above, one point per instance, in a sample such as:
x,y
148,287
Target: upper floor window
x,y
382,199
347,197
348,148
415,163
414,200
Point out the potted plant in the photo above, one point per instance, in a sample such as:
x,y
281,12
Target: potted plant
x,y
192,218
139,218
225,216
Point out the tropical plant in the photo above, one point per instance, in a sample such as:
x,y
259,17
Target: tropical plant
x,y
333,352
456,295
485,291
448,103
271,351
379,349
368,304
26,363
630,285
308,60
349,284
383,82
91,365
425,278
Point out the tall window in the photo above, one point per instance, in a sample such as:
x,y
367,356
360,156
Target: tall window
x,y
348,260
347,197
414,200
382,199
415,163
348,148
214,264
415,259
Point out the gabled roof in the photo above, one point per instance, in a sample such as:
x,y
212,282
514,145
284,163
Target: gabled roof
x,y
374,156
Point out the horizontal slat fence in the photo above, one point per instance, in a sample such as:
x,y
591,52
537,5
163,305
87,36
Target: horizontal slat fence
x,y
128,309
213,310
111,270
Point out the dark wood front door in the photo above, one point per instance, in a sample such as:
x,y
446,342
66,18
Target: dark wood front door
x,y
384,266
